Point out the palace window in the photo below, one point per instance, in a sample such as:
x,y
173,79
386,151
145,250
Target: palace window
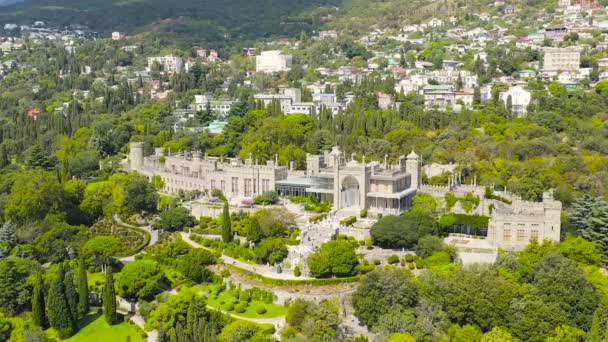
x,y
520,234
265,185
235,185
507,235
223,186
534,234
247,187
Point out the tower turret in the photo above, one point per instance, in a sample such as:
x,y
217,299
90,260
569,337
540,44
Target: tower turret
x,y
136,155
412,165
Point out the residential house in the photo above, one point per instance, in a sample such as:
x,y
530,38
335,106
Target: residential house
x,y
556,33
561,59
520,99
438,96
273,61
170,64
116,35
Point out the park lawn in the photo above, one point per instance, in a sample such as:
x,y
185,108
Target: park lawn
x,y
99,330
272,310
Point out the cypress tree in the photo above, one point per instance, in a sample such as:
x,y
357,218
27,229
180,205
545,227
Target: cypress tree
x,y
226,227
38,314
83,289
57,308
70,292
109,298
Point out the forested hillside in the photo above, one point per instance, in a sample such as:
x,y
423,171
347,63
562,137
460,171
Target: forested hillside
x,y
239,18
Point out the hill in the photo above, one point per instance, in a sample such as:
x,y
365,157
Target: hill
x,y
241,19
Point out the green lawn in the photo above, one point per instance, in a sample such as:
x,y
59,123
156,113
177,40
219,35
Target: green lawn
x,y
272,310
99,330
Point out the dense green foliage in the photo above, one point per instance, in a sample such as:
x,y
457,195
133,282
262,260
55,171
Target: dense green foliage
x,y
590,217
209,20
405,230
139,279
57,307
333,258
543,293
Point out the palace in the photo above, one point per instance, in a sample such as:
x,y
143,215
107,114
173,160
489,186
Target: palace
x,y
350,185
353,185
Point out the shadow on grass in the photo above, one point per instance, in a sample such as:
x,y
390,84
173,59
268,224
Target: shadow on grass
x,y
89,318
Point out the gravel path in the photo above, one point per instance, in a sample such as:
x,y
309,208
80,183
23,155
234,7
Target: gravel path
x,y
139,321
153,237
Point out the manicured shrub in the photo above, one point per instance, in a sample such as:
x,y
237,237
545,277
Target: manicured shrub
x,y
419,264
393,259
349,221
260,309
296,271
409,257
225,273
363,212
411,265
228,307
376,261
244,296
241,307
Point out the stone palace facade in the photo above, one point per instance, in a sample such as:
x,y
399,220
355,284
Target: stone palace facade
x,y
348,184
351,185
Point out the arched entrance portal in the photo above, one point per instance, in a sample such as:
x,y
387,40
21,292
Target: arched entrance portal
x,y
350,192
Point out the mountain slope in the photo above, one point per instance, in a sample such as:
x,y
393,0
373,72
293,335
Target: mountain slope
x,y
241,18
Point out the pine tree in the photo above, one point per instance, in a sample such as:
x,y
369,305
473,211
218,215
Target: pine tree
x,y
226,227
109,298
57,308
70,292
8,238
476,97
83,289
38,314
37,158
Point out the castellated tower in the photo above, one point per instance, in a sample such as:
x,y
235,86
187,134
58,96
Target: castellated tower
x,y
412,165
136,155
552,209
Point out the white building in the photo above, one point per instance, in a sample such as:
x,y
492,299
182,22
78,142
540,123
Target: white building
x,y
512,227
219,106
561,59
170,64
118,35
349,184
520,99
272,61
438,96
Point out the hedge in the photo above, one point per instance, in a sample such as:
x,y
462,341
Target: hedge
x,y
473,221
317,218
139,247
294,282
349,221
